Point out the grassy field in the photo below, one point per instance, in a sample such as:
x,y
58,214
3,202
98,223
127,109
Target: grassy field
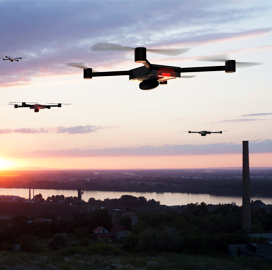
x,y
163,261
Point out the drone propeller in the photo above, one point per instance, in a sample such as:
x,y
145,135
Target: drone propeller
x,y
103,46
78,65
187,77
12,103
224,57
60,103
18,57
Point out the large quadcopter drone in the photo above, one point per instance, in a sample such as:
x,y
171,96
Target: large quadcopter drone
x,y
35,106
204,132
151,75
11,59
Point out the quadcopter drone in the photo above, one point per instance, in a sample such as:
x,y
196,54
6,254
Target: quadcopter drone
x,y
151,75
35,106
204,132
12,59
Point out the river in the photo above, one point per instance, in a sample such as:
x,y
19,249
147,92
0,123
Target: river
x,y
166,198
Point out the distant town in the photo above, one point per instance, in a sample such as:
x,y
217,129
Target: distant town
x,y
223,182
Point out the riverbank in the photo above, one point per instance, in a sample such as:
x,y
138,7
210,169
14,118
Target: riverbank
x,y
166,198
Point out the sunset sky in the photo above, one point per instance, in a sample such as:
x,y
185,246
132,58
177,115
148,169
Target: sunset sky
x,y
112,124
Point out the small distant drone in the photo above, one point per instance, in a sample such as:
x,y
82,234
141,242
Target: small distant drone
x,y
12,59
204,132
151,75
35,106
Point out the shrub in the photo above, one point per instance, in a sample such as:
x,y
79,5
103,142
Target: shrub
x,y
82,233
27,243
105,249
98,248
6,246
60,240
164,239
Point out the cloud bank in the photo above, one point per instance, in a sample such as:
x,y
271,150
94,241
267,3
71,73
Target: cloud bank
x,y
68,130
52,33
239,120
164,150
255,114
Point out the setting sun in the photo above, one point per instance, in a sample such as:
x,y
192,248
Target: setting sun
x,y
4,163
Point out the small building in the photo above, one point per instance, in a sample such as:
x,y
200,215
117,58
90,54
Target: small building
x,y
40,220
120,231
261,250
101,234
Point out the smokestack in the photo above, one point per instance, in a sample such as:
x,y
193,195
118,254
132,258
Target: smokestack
x,y
29,192
79,196
79,201
246,209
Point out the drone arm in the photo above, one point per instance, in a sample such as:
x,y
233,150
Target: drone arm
x,y
25,105
202,69
147,64
50,106
111,73
230,66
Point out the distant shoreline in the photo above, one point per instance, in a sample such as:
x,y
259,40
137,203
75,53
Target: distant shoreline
x,y
140,192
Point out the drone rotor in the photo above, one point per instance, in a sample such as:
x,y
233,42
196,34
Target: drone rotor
x,y
225,57
104,46
77,65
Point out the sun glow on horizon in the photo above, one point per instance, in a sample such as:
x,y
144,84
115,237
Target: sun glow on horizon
x,y
144,162
5,163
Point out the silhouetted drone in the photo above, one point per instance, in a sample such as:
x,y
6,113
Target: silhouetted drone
x,y
12,59
151,75
204,132
35,106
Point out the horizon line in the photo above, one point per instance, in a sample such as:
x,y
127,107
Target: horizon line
x,y
86,169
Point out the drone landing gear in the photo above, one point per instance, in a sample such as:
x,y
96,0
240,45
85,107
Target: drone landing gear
x,y
164,82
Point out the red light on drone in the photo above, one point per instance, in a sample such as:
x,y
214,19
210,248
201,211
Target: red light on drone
x,y
166,74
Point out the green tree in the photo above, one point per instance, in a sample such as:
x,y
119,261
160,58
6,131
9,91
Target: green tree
x,y
126,221
59,240
82,233
27,243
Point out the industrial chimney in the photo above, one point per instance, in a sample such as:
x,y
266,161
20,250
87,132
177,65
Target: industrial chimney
x,y
29,192
79,194
246,209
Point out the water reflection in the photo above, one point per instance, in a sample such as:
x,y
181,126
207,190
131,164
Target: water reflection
x,y
166,198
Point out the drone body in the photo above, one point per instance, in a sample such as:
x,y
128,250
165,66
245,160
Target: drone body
x,y
35,106
150,75
204,132
12,59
